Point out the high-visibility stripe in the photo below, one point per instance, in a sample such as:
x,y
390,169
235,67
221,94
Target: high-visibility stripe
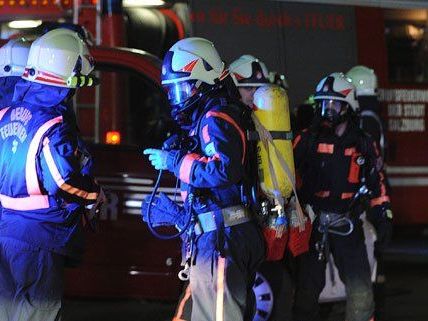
x,y
297,140
180,309
3,111
205,134
350,151
345,196
46,77
325,148
59,180
379,200
31,177
205,159
322,194
32,202
234,124
221,278
183,195
186,167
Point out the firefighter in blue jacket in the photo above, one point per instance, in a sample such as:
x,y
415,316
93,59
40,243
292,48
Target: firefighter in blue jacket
x,y
341,171
13,58
43,183
228,246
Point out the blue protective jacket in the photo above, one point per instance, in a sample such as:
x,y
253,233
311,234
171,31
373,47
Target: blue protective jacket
x,y
215,169
7,87
43,187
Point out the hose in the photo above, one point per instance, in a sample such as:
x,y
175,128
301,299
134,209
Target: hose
x,y
149,210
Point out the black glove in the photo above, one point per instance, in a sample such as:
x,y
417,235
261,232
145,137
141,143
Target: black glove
x,y
164,212
381,218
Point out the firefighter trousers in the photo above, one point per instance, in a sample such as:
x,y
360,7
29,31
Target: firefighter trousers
x,y
31,282
350,256
220,288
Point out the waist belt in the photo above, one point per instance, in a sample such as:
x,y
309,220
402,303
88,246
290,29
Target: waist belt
x,y
232,215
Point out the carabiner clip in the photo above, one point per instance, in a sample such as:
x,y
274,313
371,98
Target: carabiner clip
x,y
184,274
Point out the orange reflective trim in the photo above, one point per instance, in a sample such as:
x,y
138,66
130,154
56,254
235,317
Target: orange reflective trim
x,y
379,201
325,148
186,167
59,180
350,151
354,168
322,194
221,269
345,196
234,124
181,305
205,159
3,111
296,141
205,134
78,192
183,195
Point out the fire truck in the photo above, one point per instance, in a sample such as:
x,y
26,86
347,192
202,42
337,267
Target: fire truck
x,y
129,110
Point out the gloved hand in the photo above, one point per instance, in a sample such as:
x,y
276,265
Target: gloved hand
x,y
381,218
157,157
164,212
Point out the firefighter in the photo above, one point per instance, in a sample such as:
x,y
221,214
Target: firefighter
x,y
223,245
366,84
43,190
340,168
250,73
13,58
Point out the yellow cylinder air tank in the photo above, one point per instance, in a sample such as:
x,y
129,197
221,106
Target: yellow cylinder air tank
x,y
271,108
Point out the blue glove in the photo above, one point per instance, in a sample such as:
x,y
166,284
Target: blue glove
x,y
157,157
164,212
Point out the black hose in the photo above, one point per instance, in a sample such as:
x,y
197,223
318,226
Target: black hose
x,y
149,221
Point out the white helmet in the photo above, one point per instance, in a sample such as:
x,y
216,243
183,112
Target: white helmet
x,y
191,68
248,71
192,59
364,80
337,87
13,57
58,58
333,97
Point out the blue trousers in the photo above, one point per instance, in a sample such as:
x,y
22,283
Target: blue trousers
x,y
31,282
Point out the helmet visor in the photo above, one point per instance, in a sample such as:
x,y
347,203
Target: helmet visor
x,y
331,108
180,92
